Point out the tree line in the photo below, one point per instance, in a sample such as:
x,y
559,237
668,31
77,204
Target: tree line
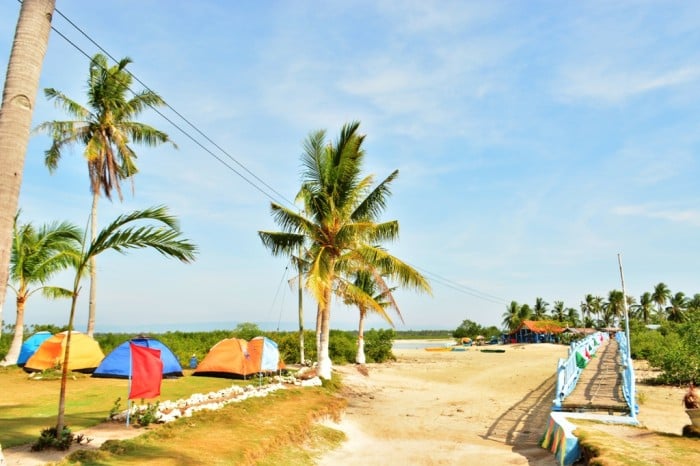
x,y
653,307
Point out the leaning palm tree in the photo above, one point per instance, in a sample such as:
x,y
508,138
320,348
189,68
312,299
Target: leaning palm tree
x,y
106,129
122,235
661,295
365,291
37,256
338,223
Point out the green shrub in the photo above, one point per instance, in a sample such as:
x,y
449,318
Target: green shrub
x,y
342,347
49,439
378,345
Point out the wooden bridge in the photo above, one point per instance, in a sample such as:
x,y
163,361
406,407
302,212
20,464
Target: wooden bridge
x,y
600,385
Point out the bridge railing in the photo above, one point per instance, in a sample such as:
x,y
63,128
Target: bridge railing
x,y
628,379
569,368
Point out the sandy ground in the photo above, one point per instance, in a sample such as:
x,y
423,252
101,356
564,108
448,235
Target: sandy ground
x,y
433,408
444,408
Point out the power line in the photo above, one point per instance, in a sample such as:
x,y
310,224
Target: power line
x,y
178,127
436,278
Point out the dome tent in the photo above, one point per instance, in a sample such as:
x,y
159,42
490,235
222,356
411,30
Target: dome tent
x,y
30,346
237,358
85,353
117,363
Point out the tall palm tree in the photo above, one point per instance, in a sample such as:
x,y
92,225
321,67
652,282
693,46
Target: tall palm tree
x,y
18,102
365,290
597,306
572,317
645,307
525,312
614,308
675,312
122,235
106,128
511,318
661,295
558,311
338,222
540,309
37,255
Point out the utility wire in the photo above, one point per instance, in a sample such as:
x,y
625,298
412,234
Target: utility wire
x,y
437,278
178,127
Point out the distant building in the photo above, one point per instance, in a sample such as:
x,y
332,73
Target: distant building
x,y
536,331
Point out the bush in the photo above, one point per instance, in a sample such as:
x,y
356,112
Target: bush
x,y
378,344
288,345
342,347
49,439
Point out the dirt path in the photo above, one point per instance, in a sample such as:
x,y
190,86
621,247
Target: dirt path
x,y
449,408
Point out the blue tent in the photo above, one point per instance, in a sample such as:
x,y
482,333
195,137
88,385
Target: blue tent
x,y
30,346
116,364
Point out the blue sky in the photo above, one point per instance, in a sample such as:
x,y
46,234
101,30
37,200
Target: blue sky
x,y
535,141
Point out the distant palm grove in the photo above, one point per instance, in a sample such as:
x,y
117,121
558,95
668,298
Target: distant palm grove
x,y
654,307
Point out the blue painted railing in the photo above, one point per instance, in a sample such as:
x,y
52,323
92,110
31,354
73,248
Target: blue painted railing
x,y
568,370
628,380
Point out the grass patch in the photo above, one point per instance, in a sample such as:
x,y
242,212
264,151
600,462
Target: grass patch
x,y
608,445
281,428
88,400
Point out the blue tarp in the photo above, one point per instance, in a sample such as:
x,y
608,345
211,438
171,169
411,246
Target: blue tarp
x,y
116,364
30,346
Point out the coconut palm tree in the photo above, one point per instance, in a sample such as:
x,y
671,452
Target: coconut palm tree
x,y
365,290
558,311
18,102
678,304
661,295
511,318
106,129
614,308
572,317
540,309
123,234
645,307
338,223
587,308
37,255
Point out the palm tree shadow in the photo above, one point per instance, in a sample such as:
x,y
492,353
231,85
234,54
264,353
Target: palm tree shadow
x,y
522,425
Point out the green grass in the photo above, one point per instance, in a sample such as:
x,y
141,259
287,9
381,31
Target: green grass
x,y
29,405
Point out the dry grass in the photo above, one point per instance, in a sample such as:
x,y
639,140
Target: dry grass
x,y
615,445
278,429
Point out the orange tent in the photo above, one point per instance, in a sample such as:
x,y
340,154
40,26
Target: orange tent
x,y
237,358
85,353
264,356
227,358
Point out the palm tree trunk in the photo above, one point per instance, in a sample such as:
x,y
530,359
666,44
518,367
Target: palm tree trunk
x,y
18,338
318,330
301,323
18,99
60,422
93,267
360,356
325,365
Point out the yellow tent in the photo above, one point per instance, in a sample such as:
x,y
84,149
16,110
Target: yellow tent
x,y
85,353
